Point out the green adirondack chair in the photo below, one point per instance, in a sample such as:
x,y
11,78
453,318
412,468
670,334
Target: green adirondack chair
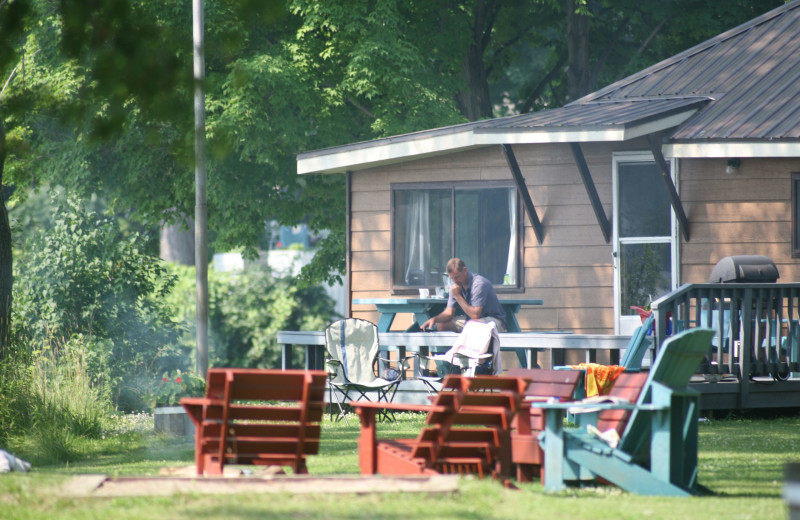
x,y
657,452
637,346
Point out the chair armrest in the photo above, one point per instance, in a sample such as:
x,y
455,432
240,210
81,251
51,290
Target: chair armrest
x,y
194,407
390,362
578,405
479,356
201,401
400,407
333,368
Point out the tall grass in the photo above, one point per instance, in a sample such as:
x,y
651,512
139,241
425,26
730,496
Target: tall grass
x,y
52,406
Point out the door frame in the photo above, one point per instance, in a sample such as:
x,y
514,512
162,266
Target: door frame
x,y
640,156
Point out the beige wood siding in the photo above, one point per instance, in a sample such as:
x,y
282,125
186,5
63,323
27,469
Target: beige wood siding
x,y
571,271
744,213
748,212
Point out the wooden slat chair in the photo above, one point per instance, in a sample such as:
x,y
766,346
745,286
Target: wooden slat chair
x,y
627,387
467,431
657,452
543,385
631,360
254,416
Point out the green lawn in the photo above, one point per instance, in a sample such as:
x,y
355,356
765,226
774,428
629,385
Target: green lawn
x,y
740,460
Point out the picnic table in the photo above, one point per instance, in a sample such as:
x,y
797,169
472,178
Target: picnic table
x,y
424,308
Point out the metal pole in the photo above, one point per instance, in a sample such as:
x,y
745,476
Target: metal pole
x,y
201,207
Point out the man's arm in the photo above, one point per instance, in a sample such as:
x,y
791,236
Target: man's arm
x,y
446,315
472,312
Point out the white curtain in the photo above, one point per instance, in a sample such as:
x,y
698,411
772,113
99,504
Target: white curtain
x,y
511,264
418,240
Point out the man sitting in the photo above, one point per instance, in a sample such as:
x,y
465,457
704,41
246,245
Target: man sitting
x,y
476,297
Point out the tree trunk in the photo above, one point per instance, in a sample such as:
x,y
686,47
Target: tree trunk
x,y
578,72
473,100
6,274
177,244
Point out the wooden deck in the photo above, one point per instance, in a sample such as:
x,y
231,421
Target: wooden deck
x,y
761,393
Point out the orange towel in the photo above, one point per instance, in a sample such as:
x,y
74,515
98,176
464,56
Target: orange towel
x,y
599,378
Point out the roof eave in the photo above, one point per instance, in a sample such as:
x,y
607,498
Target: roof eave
x,y
710,149
384,152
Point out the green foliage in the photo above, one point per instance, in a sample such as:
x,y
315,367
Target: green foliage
x,y
83,281
246,310
176,384
51,406
258,306
284,77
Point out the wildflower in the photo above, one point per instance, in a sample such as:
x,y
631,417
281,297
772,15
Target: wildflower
x,y
178,379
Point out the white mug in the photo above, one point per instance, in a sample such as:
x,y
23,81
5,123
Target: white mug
x,y
424,293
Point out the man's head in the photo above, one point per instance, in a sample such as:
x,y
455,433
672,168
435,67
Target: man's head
x,y
457,271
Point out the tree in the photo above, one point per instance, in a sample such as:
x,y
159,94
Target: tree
x,y
13,18
104,104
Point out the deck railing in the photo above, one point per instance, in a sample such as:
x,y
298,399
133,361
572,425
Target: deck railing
x,y
757,326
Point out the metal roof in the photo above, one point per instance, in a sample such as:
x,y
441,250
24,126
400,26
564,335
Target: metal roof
x,y
601,113
751,72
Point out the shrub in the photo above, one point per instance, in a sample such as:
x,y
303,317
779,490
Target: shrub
x,y
246,310
85,280
175,385
51,406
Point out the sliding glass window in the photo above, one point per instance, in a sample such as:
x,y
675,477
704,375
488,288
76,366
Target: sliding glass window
x,y
433,222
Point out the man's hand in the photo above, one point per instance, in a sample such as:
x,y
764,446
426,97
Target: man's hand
x,y
428,325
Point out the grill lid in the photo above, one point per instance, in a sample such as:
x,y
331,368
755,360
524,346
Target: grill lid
x,y
744,269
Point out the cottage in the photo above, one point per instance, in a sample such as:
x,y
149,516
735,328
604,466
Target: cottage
x,y
597,206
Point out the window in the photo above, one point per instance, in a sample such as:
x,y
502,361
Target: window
x,y
795,215
433,222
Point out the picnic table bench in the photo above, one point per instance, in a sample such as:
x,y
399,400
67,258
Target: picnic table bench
x,y
257,416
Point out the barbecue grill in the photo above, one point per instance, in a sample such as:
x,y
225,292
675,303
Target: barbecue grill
x,y
744,269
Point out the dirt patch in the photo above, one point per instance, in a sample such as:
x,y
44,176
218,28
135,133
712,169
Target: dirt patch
x,y
263,482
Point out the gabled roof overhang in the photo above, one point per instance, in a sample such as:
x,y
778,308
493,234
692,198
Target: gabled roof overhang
x,y
594,122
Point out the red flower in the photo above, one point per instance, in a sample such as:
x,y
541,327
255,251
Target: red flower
x,y
164,379
178,379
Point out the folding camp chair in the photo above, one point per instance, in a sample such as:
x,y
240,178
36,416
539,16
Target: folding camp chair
x,y
476,351
354,364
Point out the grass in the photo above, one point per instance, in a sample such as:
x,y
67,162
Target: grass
x,y
741,460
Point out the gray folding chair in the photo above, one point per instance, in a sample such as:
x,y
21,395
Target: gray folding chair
x,y
354,367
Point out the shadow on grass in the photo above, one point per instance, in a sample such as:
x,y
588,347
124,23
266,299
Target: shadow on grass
x,y
743,457
131,453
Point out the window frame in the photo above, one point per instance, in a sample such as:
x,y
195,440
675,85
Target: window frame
x,y
398,289
795,214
